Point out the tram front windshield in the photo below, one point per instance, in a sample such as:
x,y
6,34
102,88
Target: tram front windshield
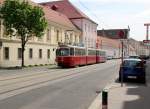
x,y
62,52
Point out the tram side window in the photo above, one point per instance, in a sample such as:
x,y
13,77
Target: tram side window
x,y
91,52
97,53
72,51
76,52
80,52
94,52
83,52
102,53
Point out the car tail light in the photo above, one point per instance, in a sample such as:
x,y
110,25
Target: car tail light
x,y
140,65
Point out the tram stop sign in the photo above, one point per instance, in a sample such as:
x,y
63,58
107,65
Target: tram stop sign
x,y
146,42
121,34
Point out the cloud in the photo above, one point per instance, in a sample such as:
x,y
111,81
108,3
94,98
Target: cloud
x,y
111,14
102,1
145,14
121,1
38,1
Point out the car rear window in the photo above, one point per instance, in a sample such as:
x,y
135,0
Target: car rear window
x,y
135,57
132,63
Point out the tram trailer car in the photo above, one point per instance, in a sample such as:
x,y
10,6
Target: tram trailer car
x,y
91,56
72,56
100,56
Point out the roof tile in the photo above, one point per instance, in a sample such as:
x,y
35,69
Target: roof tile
x,y
53,16
67,8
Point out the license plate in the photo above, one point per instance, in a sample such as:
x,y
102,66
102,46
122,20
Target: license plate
x,y
132,77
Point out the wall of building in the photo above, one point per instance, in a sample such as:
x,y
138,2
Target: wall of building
x,y
89,32
111,46
54,34
35,60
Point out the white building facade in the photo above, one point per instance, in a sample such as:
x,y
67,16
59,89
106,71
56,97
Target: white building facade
x,y
89,32
79,19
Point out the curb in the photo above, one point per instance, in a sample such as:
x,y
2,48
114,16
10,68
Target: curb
x,y
97,103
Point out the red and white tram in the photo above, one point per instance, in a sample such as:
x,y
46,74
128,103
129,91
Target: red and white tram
x,y
71,56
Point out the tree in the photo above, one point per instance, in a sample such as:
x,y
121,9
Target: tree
x,y
24,20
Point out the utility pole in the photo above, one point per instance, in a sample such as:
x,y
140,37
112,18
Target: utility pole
x,y
147,35
147,30
122,54
122,35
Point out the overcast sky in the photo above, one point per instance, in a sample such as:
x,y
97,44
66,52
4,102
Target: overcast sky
x,y
115,14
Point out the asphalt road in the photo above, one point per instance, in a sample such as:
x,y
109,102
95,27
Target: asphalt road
x,y
72,92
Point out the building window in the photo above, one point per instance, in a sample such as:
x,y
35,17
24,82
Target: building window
x,y
85,27
71,37
48,34
6,53
40,38
76,40
48,53
89,28
66,37
40,53
19,53
57,35
30,53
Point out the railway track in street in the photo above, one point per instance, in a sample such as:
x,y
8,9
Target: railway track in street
x,y
20,82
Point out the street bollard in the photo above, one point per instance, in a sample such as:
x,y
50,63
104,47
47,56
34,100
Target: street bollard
x,y
104,99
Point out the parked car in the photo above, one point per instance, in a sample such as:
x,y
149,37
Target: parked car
x,y
134,57
144,58
126,57
132,69
109,57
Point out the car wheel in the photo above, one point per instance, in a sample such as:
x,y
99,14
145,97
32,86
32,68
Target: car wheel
x,y
122,78
143,80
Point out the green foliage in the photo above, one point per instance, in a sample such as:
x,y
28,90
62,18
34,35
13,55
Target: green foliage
x,y
23,20
26,19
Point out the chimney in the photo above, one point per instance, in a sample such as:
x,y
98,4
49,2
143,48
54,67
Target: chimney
x,y
54,7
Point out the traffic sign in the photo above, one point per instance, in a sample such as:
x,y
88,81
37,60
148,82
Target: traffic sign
x,y
146,41
147,24
121,34
147,44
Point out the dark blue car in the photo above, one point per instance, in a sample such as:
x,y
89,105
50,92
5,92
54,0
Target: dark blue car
x,y
132,69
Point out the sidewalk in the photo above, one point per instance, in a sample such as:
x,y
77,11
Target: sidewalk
x,y
131,96
27,70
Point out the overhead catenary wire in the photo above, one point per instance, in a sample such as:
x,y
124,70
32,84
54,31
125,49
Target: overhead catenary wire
x,y
89,10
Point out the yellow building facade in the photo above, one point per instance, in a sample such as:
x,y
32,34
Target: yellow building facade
x,y
39,51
